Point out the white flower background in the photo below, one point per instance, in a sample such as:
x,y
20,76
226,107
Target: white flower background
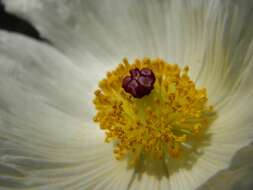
x,y
47,138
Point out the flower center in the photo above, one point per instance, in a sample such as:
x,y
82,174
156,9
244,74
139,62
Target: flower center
x,y
156,111
140,83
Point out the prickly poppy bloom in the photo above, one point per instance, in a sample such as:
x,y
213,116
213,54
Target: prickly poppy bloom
x,y
175,114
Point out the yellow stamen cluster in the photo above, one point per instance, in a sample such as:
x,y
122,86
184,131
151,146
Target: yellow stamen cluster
x,y
158,124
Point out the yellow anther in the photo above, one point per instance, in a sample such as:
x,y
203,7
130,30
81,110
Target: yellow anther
x,y
173,113
174,150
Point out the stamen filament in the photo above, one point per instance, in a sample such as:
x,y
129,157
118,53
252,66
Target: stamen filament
x,y
157,124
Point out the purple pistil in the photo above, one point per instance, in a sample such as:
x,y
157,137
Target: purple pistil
x,y
139,83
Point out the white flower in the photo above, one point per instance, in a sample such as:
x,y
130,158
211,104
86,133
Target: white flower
x,y
48,140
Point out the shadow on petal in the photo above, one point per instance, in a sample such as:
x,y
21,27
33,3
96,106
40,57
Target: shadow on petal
x,y
237,176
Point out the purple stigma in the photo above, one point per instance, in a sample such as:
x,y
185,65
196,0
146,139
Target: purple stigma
x,y
139,83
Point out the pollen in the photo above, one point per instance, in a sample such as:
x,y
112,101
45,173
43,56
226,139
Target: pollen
x,y
163,123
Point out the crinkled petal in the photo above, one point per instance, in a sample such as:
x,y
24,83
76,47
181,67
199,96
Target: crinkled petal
x,y
228,46
214,37
47,140
44,74
113,29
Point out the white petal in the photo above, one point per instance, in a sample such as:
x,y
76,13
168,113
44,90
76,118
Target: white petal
x,y
115,29
215,33
146,182
237,176
227,57
213,37
40,73
230,87
44,143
